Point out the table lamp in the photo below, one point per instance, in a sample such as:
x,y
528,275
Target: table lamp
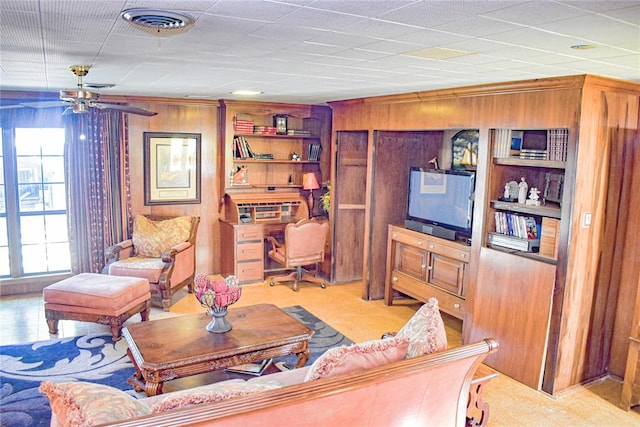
x,y
310,182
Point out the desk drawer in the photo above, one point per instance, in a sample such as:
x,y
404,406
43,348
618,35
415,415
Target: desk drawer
x,y
409,239
249,271
248,251
448,251
249,232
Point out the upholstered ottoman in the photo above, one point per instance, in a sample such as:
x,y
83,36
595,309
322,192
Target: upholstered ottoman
x,y
100,298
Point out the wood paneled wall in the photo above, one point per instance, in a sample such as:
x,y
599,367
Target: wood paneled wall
x,y
596,276
174,115
188,117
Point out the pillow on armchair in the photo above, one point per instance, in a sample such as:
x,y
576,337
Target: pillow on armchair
x,y
425,330
152,238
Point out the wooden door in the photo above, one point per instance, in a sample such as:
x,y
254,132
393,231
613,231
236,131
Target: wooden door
x,y
349,191
513,305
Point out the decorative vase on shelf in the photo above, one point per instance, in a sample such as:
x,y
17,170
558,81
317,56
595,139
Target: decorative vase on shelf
x,y
216,296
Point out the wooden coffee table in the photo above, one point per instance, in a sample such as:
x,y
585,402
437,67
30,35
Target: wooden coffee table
x,y
177,347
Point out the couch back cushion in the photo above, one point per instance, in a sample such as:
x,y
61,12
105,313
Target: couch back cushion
x,y
211,393
152,238
425,330
86,404
356,357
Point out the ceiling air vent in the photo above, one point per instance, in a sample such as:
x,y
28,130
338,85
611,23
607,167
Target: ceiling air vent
x,y
158,22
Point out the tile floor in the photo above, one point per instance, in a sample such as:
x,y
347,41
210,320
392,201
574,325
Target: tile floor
x,y
512,404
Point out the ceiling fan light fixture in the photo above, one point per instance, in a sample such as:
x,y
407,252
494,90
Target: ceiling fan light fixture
x,y
79,108
157,21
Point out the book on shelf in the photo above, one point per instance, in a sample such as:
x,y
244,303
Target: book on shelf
x,y
255,369
502,143
557,141
265,130
514,225
314,152
550,238
297,132
242,124
242,149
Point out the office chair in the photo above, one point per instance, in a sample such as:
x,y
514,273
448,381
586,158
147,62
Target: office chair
x,y
304,244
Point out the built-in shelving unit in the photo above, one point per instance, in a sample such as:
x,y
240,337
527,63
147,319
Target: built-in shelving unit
x,y
539,157
264,158
260,176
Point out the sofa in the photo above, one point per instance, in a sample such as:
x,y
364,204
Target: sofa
x,y
431,389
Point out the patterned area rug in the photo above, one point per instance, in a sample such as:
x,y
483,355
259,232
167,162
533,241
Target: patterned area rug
x,y
95,358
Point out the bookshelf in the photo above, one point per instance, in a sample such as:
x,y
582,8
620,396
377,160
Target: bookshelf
x,y
271,159
538,156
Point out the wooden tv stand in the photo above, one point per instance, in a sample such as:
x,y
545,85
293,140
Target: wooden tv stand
x,y
422,266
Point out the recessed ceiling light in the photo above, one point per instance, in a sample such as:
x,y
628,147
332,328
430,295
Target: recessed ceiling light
x,y
583,46
246,92
438,53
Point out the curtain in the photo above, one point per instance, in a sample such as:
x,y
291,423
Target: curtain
x,y
97,178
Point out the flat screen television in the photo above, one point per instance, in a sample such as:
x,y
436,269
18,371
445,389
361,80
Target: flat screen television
x,y
440,202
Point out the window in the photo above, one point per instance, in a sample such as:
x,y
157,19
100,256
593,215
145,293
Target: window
x,y
33,212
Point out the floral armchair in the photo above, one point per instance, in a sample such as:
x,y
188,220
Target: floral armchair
x,y
162,250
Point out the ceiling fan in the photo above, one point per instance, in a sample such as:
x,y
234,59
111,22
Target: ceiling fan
x,y
80,99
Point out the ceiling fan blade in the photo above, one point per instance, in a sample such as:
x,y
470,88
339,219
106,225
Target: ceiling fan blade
x,y
8,107
124,108
43,104
98,85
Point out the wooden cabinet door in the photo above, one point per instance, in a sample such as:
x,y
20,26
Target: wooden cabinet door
x,y
512,303
411,260
349,199
446,273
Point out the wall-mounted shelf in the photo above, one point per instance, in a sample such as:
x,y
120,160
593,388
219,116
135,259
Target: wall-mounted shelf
x,y
302,162
255,159
550,211
516,161
275,136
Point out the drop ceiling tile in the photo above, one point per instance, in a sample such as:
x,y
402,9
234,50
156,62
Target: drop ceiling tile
x,y
308,18
378,29
594,27
423,14
599,6
534,12
267,12
360,8
430,37
477,26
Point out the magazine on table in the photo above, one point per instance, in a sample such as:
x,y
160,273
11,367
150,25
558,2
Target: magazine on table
x,y
251,368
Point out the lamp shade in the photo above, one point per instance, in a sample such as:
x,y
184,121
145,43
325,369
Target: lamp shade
x,y
310,182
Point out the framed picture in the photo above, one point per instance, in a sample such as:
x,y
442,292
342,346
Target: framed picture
x,y
464,150
171,168
553,183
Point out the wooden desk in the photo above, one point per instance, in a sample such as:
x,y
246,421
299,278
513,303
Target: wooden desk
x,y
248,219
243,251
177,347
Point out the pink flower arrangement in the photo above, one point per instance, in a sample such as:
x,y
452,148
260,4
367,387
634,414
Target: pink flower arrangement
x,y
216,295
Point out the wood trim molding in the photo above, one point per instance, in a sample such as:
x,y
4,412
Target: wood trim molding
x,y
534,85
